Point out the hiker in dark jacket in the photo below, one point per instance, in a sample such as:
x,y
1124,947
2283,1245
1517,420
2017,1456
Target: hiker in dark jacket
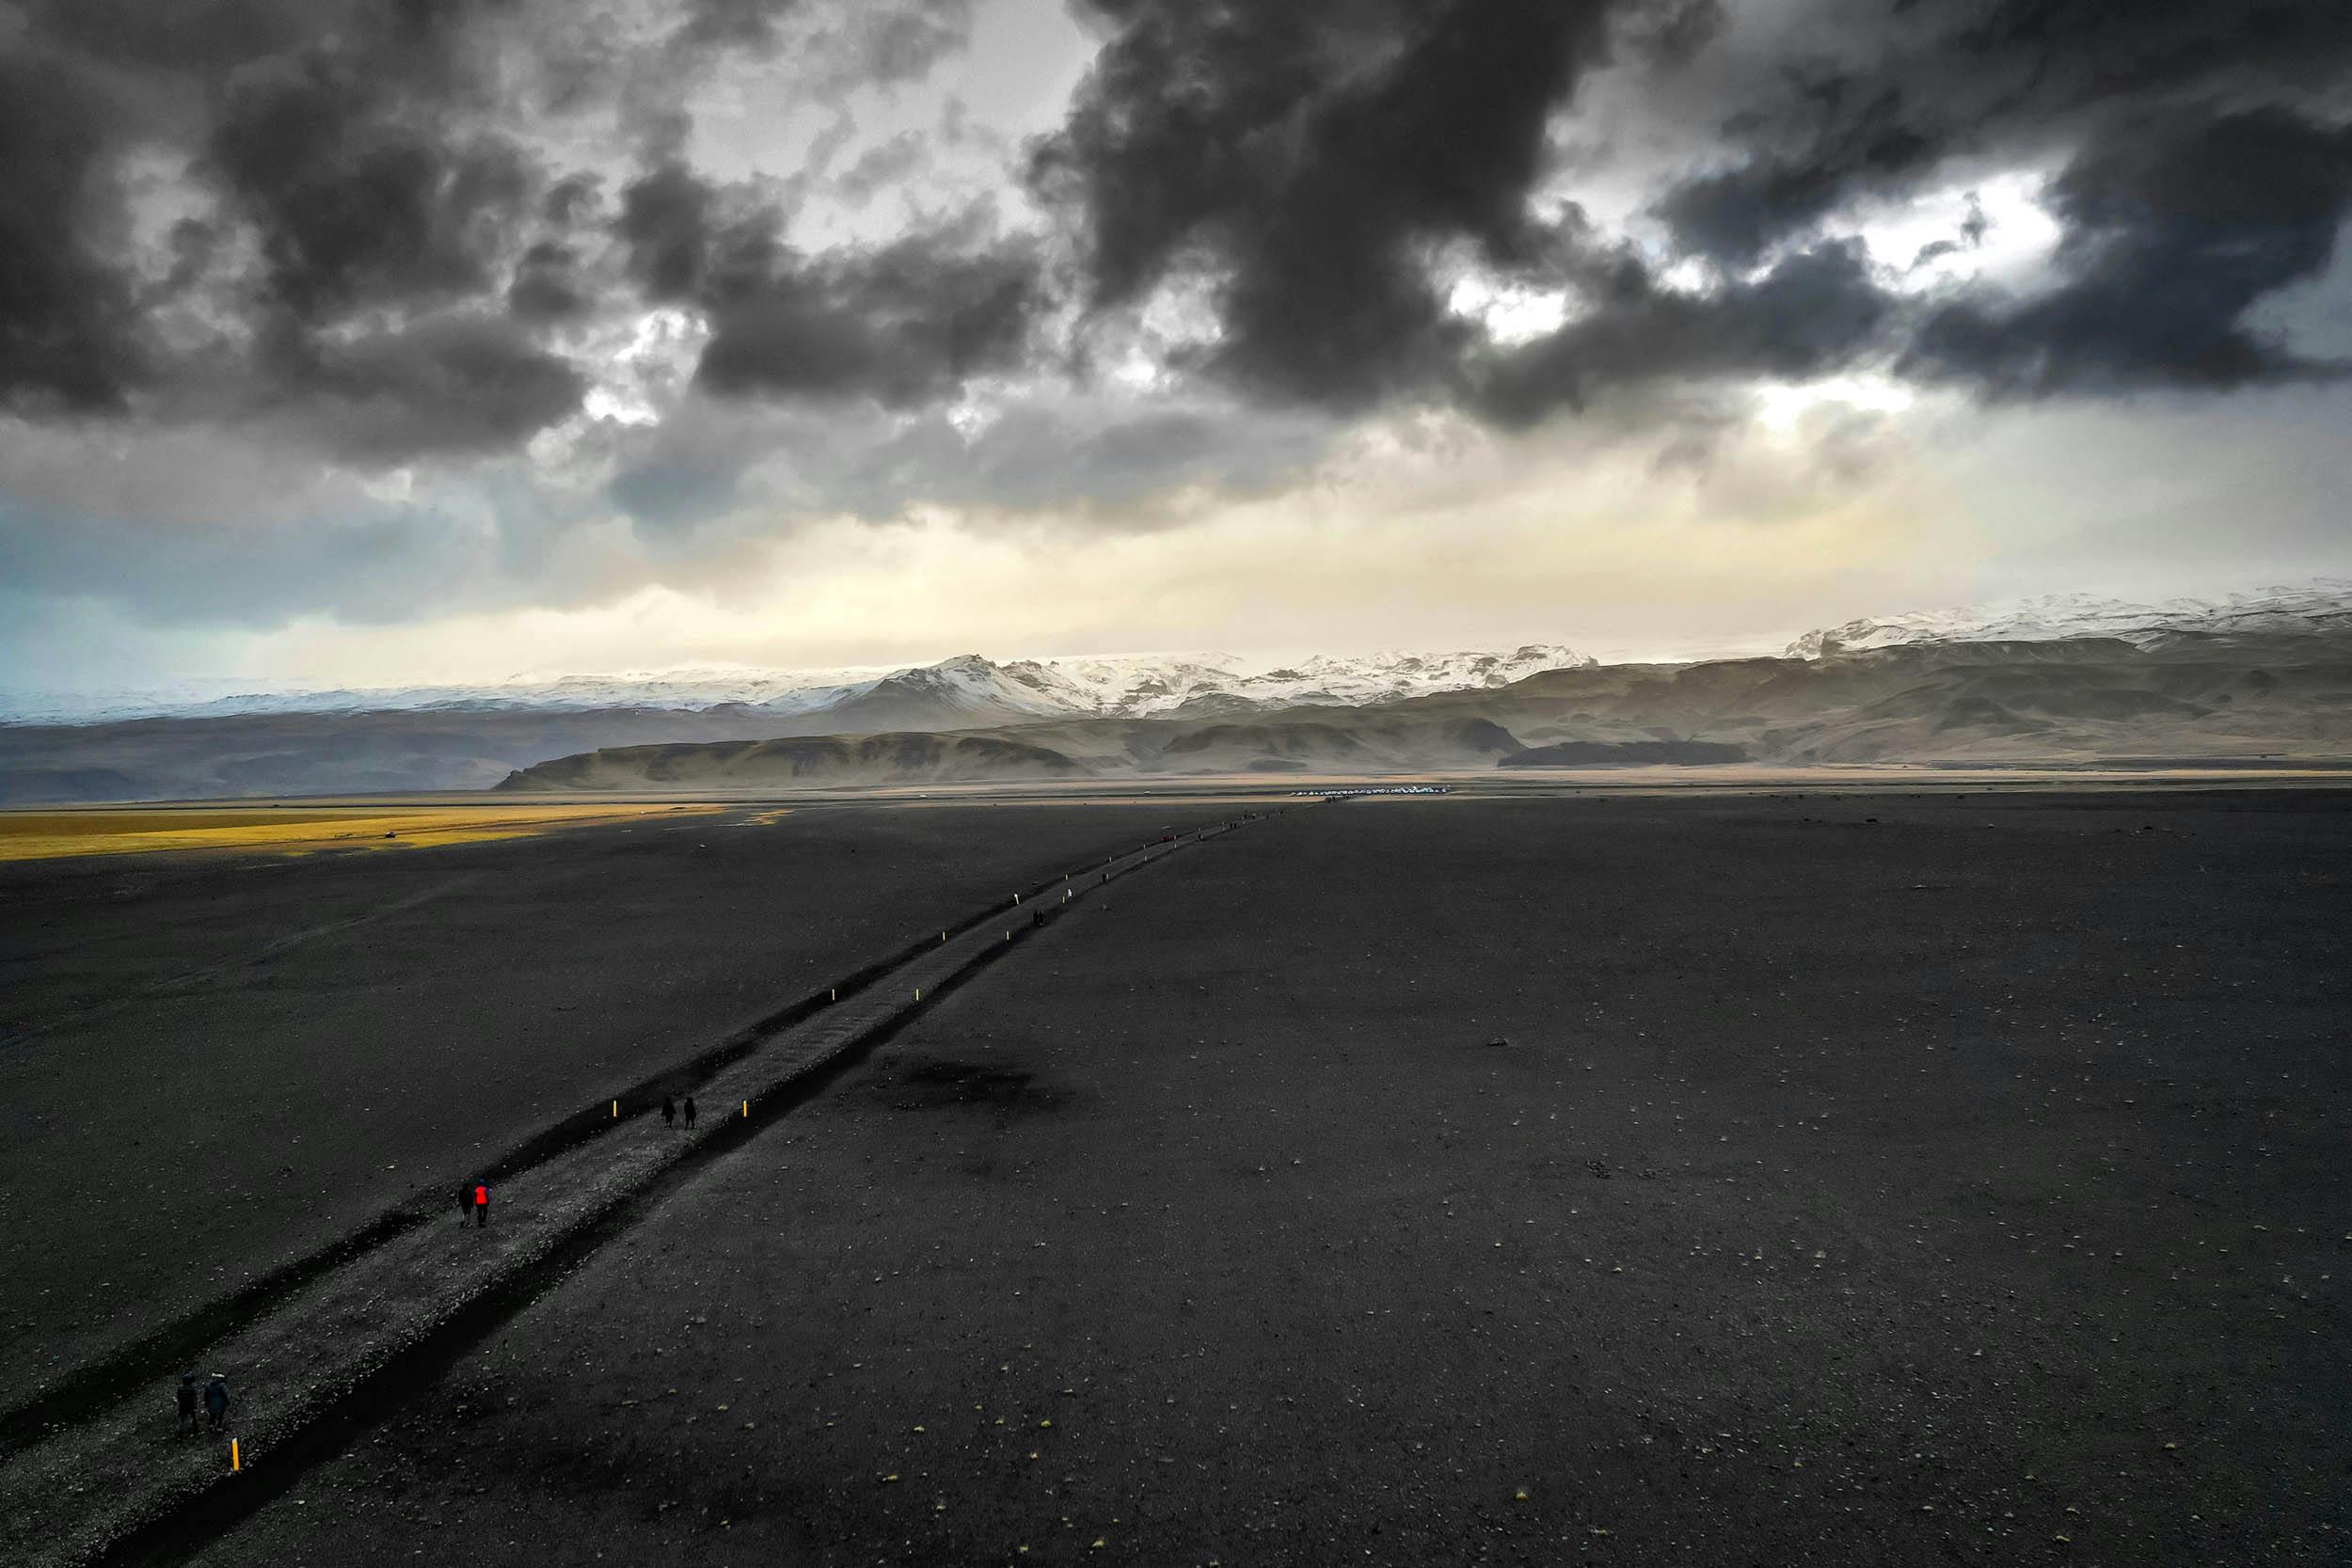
x,y
187,1403
690,1112
216,1401
465,1202
669,1111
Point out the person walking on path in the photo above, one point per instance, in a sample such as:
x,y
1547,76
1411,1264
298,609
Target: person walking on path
x,y
187,1404
481,1204
217,1402
690,1112
669,1111
465,1202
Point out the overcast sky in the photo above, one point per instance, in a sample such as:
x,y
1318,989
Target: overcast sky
x,y
376,342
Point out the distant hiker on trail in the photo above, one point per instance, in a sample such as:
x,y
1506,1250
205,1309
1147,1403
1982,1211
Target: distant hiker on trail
x,y
216,1401
465,1202
669,1111
690,1112
481,1204
187,1403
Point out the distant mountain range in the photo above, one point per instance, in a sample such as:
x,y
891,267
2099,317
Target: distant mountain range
x,y
193,744
2067,701
2319,608
1128,685
2249,679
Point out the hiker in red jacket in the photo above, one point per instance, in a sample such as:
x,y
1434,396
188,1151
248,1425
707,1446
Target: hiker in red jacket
x,y
481,1204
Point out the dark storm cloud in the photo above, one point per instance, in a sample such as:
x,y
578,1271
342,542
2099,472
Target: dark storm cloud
x,y
412,39
62,309
466,384
1733,214
2173,234
1313,164
2203,169
2065,56
358,199
320,139
1309,156
899,322
1810,315
547,286
375,263
1312,161
350,147
670,222
1897,89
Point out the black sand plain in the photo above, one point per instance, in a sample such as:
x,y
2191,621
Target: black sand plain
x,y
1696,1180
215,1063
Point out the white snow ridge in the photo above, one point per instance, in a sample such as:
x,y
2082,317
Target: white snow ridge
x,y
2325,604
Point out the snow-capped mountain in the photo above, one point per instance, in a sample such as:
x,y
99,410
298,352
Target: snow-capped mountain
x,y
978,690
1144,685
2322,605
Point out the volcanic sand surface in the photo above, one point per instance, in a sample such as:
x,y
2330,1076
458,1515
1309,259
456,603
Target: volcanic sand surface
x,y
213,1065
1860,1181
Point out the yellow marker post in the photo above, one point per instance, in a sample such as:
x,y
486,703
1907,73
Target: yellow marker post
x,y
616,1110
837,993
918,993
235,1463
747,1110
943,936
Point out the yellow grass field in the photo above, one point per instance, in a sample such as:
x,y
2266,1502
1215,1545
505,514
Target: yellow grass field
x,y
291,831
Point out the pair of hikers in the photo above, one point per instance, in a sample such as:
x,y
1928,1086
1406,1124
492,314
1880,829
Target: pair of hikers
x,y
215,1403
473,1197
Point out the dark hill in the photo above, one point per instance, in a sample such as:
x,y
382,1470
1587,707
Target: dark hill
x,y
809,760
